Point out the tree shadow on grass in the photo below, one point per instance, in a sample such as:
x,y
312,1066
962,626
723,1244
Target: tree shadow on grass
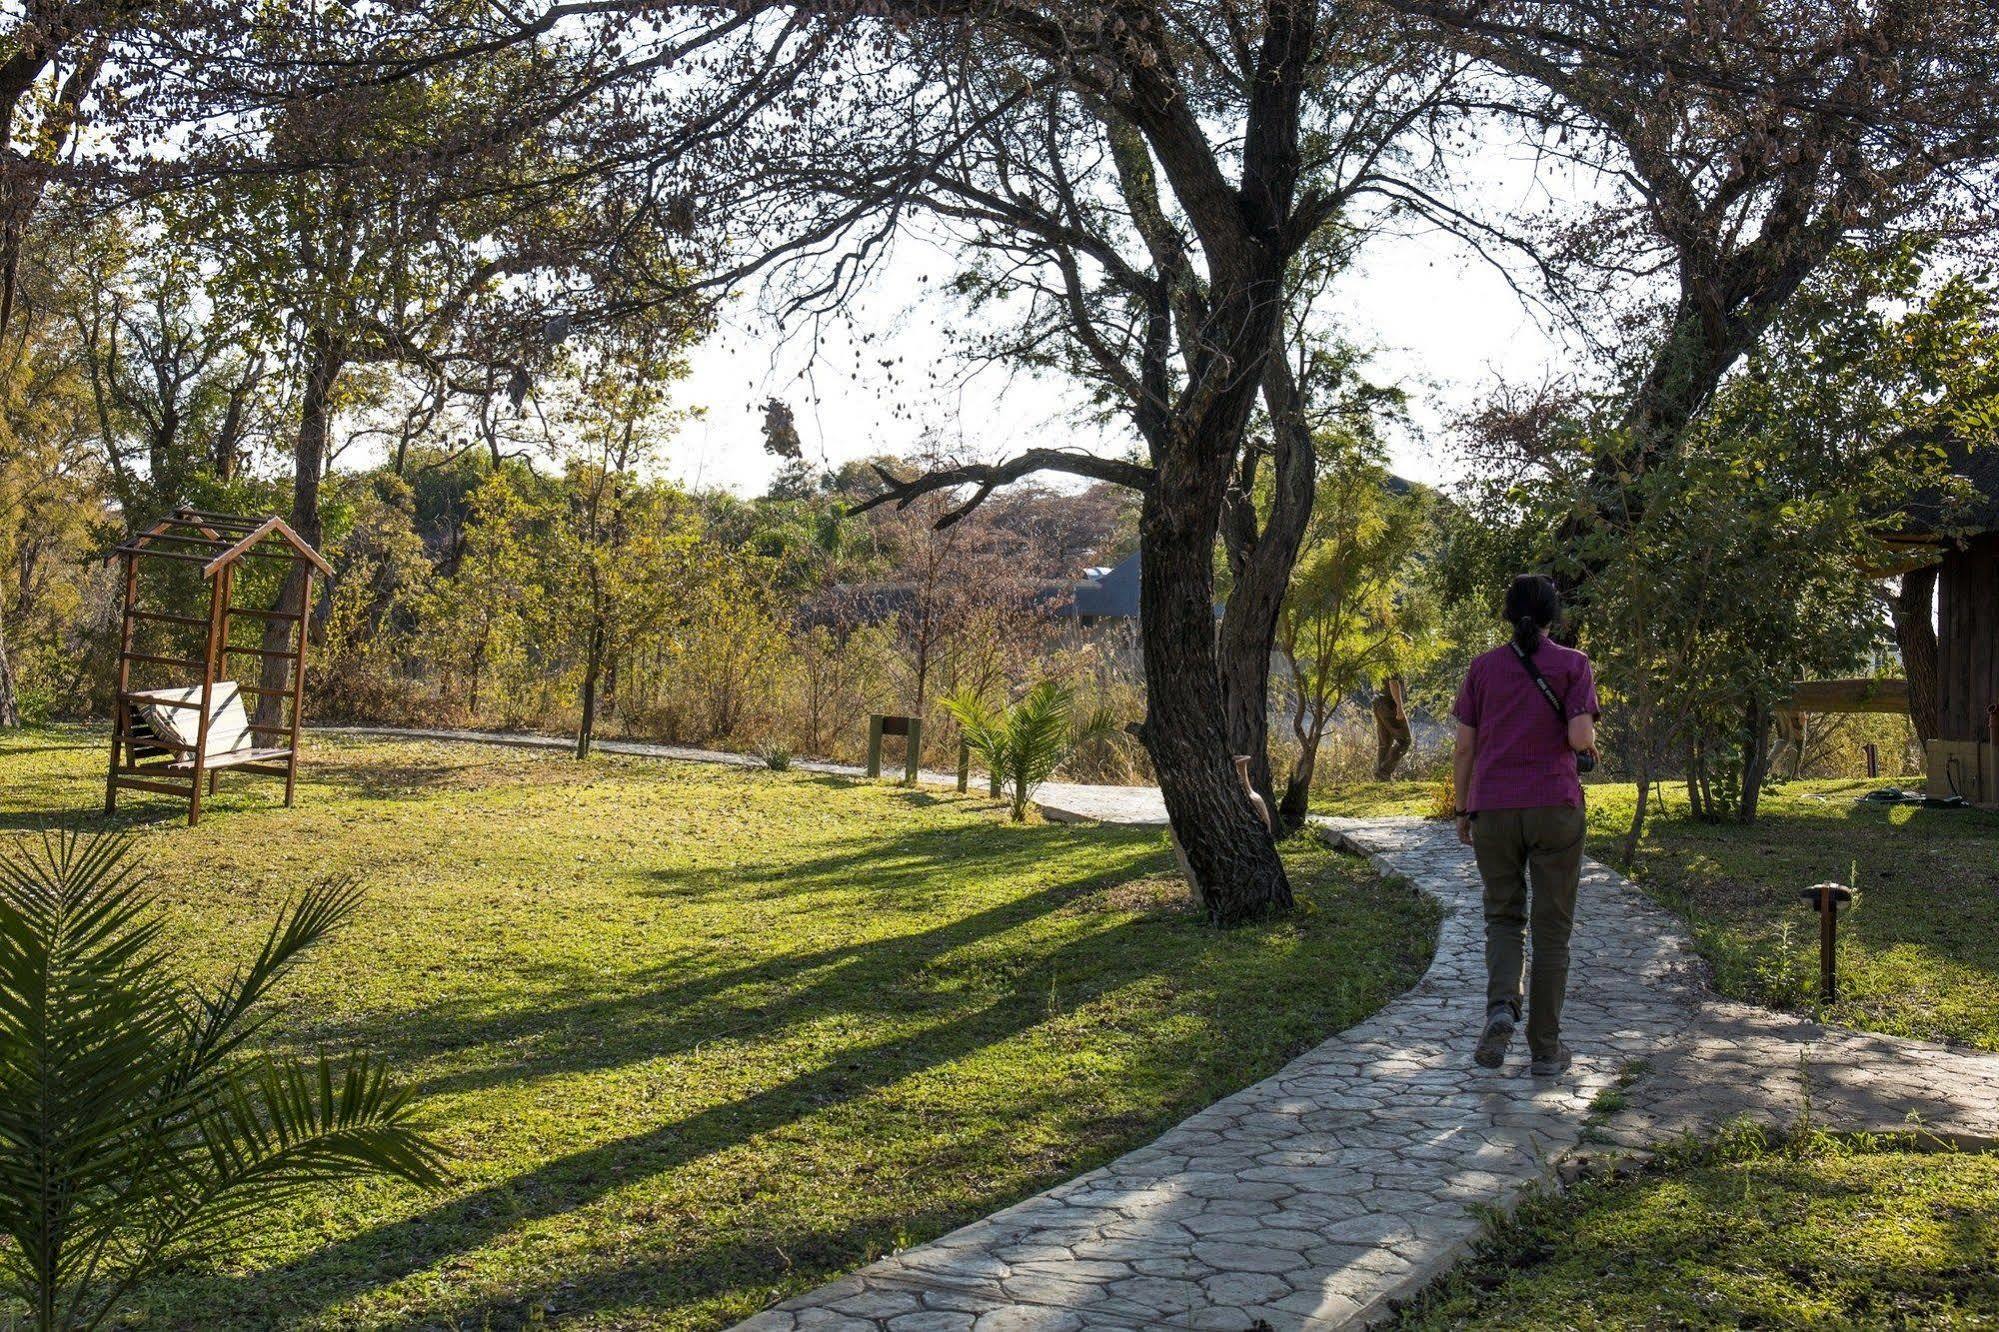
x,y
892,865
677,1008
1927,878
22,751
749,1261
375,779
581,1178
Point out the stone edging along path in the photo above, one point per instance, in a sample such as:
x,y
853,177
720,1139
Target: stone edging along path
x,y
1350,1178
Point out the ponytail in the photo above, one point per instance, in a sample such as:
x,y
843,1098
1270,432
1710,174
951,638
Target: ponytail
x,y
1531,606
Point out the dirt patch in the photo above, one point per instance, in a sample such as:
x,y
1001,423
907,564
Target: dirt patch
x,y
1154,895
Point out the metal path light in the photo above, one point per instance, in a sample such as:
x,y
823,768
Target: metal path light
x,y
1827,899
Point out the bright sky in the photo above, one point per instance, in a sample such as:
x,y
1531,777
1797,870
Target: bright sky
x,y
1446,326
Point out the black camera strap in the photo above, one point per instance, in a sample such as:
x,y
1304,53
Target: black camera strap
x,y
1547,690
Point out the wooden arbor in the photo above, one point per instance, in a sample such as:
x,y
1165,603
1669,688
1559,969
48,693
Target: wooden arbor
x,y
167,738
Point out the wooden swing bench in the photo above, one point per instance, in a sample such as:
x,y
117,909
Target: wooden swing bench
x,y
168,739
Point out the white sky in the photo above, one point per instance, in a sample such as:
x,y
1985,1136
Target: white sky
x,y
1446,326
1442,322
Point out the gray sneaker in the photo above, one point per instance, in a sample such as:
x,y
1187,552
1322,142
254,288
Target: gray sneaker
x,y
1551,1066
1491,1049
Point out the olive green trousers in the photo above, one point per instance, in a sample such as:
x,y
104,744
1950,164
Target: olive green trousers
x,y
1515,848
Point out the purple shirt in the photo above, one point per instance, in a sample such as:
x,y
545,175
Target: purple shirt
x,y
1522,759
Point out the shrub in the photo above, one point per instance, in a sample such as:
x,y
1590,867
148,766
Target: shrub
x,y
135,1129
1025,743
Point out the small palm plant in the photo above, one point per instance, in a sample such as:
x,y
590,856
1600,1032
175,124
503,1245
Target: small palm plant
x,y
135,1128
1024,743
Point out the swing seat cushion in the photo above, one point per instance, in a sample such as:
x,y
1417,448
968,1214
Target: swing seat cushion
x,y
229,733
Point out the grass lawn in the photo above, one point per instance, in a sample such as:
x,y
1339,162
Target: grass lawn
x,y
697,1038
1919,956
1810,1234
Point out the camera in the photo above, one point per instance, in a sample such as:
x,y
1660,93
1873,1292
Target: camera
x,y
1585,761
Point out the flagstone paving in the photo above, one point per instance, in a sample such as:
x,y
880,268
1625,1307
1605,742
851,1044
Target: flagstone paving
x,y
1355,1175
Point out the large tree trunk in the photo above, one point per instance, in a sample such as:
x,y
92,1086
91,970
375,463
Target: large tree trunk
x,y
1916,635
1228,852
1261,557
323,366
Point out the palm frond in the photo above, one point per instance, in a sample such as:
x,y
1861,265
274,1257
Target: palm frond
x,y
285,1126
86,1032
131,1129
219,1022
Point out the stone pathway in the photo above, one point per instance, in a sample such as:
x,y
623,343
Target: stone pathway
x,y
1354,1176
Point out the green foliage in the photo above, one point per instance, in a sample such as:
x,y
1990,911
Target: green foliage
x,y
1724,571
1750,1228
1024,743
134,1132
1357,611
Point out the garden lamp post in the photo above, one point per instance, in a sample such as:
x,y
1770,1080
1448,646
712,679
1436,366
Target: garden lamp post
x,y
1827,899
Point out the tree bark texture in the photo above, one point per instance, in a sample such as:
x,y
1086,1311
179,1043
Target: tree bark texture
x,y
1228,852
1916,636
1261,557
10,704
323,366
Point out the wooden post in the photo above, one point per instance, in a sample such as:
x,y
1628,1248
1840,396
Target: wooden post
x,y
964,766
121,711
298,685
912,750
875,745
207,701
1826,899
228,580
1873,753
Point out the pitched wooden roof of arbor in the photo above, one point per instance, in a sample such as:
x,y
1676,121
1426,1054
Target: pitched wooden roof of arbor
x,y
216,541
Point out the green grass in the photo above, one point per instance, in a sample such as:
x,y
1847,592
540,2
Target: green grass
x,y
1812,1233
697,1038
1918,956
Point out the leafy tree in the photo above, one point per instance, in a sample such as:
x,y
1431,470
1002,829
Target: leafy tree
x,y
135,1126
612,572
51,482
1742,147
179,390
1740,563
1354,613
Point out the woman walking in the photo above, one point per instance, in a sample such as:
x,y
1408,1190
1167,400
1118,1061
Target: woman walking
x,y
1526,727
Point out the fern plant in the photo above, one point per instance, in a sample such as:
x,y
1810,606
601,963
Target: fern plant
x,y
1024,743
136,1129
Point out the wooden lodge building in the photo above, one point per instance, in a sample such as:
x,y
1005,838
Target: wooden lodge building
x,y
1947,625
